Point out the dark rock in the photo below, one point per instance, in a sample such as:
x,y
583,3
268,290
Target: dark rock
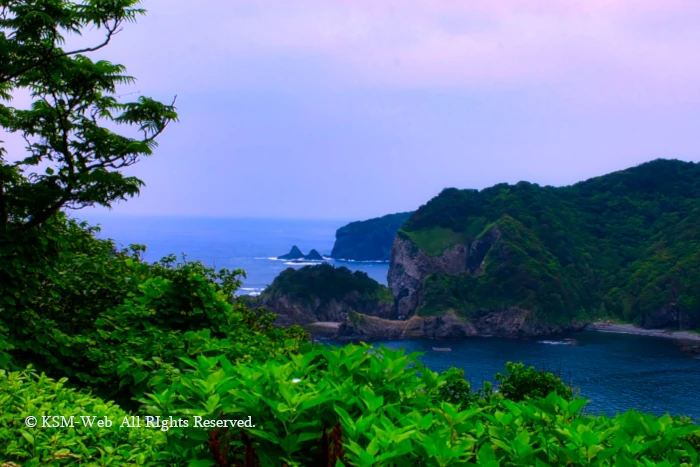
x,y
511,322
294,253
670,317
314,256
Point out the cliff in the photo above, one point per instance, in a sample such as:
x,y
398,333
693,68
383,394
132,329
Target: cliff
x,y
368,240
324,293
625,244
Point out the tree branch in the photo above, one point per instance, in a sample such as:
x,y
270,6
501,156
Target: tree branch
x,y
111,32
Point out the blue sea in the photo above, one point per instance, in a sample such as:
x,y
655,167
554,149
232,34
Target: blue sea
x,y
249,244
617,372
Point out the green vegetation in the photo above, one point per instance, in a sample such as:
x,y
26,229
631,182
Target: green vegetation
x,y
369,240
29,394
625,244
326,282
90,329
434,241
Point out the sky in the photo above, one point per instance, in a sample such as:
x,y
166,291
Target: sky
x,y
351,109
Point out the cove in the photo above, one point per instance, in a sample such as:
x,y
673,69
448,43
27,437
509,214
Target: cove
x,y
615,372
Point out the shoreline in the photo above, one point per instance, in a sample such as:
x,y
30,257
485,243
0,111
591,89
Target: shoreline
x,y
327,329
632,329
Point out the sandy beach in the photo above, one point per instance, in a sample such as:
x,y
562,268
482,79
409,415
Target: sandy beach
x,y
632,329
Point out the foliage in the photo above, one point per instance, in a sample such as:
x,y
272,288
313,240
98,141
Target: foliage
x,y
326,282
26,393
522,383
385,408
107,319
624,244
368,240
435,240
68,126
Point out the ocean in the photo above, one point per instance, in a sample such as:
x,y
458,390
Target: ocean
x,y
249,244
616,372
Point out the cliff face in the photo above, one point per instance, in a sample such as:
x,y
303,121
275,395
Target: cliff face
x,y
368,240
410,265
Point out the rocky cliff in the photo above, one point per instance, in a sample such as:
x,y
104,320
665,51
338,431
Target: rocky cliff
x,y
410,265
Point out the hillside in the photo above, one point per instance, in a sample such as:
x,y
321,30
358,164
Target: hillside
x,y
324,293
626,244
369,240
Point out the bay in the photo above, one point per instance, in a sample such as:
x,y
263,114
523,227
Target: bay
x,y
616,372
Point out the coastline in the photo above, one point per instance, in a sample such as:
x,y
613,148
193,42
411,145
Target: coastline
x,y
632,329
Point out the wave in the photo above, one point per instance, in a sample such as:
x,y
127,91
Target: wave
x,y
251,291
325,258
557,342
328,258
304,263
360,261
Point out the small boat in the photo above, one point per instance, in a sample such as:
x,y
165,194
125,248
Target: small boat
x,y
442,349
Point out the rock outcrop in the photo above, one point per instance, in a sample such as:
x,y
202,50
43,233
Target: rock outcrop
x,y
362,327
671,317
291,310
410,265
294,253
313,256
511,322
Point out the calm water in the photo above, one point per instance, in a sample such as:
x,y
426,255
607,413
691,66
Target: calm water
x,y
247,244
616,372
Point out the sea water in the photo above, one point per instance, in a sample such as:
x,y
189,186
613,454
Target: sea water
x,y
249,244
616,372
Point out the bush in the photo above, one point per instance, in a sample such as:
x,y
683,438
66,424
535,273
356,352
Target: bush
x,y
364,406
522,383
27,393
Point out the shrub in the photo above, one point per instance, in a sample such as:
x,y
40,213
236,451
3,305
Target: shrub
x,y
27,393
523,383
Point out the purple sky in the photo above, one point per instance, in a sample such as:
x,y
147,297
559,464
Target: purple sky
x,y
353,109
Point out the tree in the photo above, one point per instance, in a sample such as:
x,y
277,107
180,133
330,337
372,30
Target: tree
x,y
75,103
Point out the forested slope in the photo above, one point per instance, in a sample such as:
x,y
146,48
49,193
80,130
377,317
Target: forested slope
x,y
624,244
